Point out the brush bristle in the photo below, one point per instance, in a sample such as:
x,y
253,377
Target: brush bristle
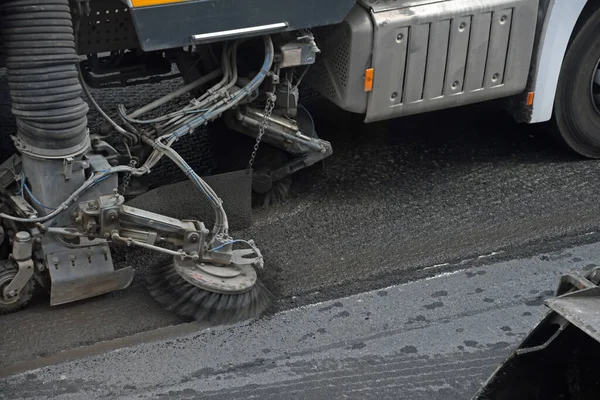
x,y
177,295
278,194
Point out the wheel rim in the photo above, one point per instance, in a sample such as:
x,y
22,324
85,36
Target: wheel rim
x,y
4,281
595,87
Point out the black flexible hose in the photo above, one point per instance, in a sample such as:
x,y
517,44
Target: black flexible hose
x,y
40,60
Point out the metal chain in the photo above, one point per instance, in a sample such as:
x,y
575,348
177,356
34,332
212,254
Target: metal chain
x,y
127,177
269,106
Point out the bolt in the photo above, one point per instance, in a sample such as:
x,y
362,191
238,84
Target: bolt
x,y
12,293
454,84
38,240
112,216
106,236
72,257
503,18
40,266
92,205
400,37
55,260
151,222
194,238
462,26
394,95
495,77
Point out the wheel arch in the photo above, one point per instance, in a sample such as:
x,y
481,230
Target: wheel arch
x,y
562,21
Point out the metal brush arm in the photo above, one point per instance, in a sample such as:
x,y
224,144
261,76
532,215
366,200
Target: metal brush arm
x,y
108,217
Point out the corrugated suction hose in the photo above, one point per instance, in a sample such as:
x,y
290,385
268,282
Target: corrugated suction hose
x,y
44,85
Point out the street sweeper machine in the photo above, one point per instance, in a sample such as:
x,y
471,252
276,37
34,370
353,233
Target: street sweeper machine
x,y
64,188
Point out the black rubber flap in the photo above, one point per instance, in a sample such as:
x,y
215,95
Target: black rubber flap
x,y
183,200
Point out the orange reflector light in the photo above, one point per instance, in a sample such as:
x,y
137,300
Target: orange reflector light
x,y
145,3
369,80
530,96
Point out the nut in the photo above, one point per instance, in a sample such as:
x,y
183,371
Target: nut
x,y
112,216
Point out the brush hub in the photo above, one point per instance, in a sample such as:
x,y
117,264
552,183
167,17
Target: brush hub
x,y
229,279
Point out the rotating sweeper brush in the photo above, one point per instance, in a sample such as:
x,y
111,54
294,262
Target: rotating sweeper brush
x,y
207,293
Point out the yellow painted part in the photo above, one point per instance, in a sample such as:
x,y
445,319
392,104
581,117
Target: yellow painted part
x,y
146,3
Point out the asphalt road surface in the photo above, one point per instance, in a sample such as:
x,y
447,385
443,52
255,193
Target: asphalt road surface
x,y
437,338
397,202
394,199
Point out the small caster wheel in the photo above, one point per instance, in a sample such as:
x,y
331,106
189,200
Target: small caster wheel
x,y
12,302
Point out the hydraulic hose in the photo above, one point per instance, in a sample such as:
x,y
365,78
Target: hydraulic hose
x,y
42,76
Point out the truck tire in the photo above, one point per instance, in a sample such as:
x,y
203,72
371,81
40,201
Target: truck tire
x,y
577,102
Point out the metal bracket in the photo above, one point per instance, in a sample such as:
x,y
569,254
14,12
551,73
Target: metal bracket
x,y
23,208
573,282
83,272
20,280
70,165
68,168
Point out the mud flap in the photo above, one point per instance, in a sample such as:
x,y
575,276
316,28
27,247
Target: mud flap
x,y
184,201
560,358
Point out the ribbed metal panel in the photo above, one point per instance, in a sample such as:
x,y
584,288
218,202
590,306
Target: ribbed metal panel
x,y
436,55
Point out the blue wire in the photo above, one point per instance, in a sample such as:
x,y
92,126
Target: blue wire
x,y
101,179
312,121
33,197
228,243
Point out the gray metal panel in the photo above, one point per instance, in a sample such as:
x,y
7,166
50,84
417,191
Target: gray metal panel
x,y
398,65
478,49
457,54
346,49
388,80
438,50
417,63
507,48
499,41
173,25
